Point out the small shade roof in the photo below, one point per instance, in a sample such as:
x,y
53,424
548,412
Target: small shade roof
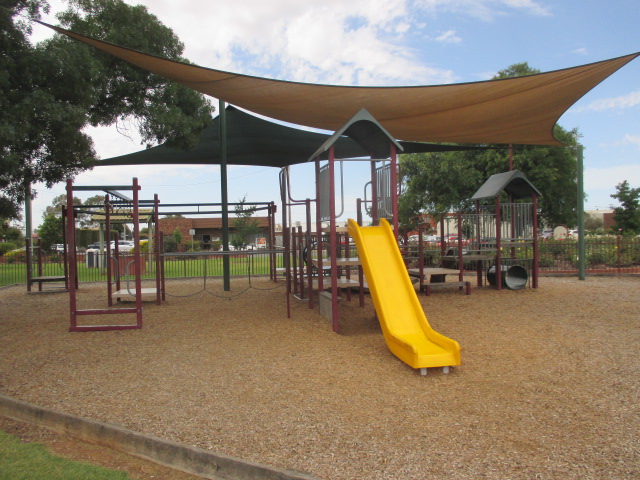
x,y
515,183
254,141
367,132
520,110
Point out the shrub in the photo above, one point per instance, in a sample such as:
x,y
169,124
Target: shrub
x,y
17,255
7,247
546,260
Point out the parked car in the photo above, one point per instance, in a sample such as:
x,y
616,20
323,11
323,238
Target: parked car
x,y
124,246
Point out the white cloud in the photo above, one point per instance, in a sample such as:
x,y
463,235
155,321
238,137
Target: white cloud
x,y
633,139
486,10
614,103
606,178
449,37
356,42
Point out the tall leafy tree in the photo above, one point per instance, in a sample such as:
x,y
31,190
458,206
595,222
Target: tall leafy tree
x,y
437,183
50,231
51,91
244,225
627,215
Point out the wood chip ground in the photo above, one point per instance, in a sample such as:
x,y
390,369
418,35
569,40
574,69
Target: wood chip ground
x,y
549,385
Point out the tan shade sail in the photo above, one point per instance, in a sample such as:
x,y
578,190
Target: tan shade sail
x,y
519,110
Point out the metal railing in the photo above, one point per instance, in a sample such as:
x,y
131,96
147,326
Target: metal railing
x,y
92,267
605,255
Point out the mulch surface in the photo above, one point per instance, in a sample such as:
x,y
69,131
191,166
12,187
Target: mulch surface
x,y
548,388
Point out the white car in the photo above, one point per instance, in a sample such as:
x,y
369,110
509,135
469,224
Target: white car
x,y
124,246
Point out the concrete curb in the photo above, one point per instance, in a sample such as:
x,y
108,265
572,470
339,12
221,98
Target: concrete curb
x,y
164,452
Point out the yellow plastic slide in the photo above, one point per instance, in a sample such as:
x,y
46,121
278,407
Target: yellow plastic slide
x,y
404,323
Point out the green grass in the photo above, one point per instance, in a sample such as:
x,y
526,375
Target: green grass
x,y
31,461
184,267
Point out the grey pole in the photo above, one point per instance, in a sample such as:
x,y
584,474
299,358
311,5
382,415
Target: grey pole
x,y
226,270
580,210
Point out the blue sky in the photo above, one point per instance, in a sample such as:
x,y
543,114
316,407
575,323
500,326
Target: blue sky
x,y
393,42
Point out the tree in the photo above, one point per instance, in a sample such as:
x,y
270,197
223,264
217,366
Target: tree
x,y
86,219
627,215
441,182
51,91
50,231
10,234
593,223
244,225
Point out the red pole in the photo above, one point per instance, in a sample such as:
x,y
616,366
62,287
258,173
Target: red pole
x,y
65,257
360,271
460,261
319,242
136,252
107,226
374,194
71,257
536,250
156,248
498,242
394,188
420,257
307,204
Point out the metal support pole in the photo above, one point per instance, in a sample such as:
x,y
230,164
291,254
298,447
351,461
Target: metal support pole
x,y
375,220
394,189
319,241
226,269
137,267
498,244
535,268
73,324
333,239
28,222
580,210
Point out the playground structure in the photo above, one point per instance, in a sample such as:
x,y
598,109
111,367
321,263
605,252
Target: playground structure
x,y
119,208
324,263
71,252
499,240
40,278
404,323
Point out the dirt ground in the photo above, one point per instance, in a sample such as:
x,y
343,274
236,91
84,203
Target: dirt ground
x,y
548,388
74,449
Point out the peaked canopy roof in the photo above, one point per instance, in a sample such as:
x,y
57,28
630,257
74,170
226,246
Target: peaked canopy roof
x,y
515,183
365,130
520,110
254,141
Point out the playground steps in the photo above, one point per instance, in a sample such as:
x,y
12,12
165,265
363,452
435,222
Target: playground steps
x,y
47,279
438,279
145,292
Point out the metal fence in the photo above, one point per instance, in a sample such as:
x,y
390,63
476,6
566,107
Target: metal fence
x,y
605,255
92,267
